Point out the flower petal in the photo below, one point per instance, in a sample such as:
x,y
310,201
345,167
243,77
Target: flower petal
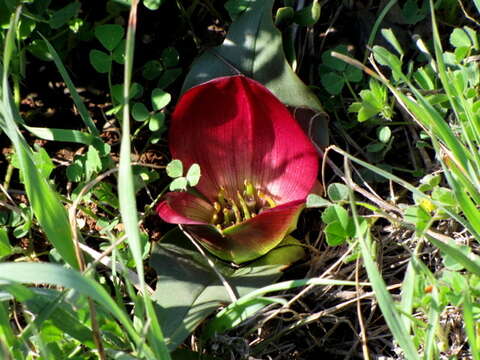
x,y
252,238
184,208
236,129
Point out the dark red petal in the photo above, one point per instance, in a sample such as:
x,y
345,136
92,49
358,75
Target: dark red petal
x,y
236,129
184,208
252,238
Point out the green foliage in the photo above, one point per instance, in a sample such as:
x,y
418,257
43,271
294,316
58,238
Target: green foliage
x,y
335,73
111,37
180,182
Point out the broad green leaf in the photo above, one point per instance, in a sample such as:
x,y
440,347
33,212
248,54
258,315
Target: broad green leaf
x,y
109,35
253,47
175,168
182,271
100,61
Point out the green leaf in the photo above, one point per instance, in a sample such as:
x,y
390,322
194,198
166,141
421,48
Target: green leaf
x,y
175,168
337,192
336,213
335,233
168,77
182,271
153,4
109,35
93,163
140,112
309,15
65,135
170,57
100,61
118,54
314,201
160,99
333,62
5,247
332,82
43,162
253,47
237,7
353,74
460,38
152,69
180,183
82,109
62,16
392,39
384,134
55,275
193,175
156,122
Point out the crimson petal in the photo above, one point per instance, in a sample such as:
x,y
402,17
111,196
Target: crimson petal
x,y
236,129
184,208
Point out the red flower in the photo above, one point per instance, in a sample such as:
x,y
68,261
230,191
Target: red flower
x,y
257,167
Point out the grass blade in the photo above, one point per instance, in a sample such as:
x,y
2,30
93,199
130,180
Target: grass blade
x,y
46,206
128,205
82,109
51,274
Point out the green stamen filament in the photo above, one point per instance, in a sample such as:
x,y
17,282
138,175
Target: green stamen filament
x,y
226,217
236,211
233,208
243,204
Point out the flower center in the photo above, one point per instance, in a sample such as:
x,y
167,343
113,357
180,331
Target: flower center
x,y
232,209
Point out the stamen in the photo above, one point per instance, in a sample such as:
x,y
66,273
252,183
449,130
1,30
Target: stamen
x,y
249,189
221,196
226,217
217,207
236,211
268,199
243,204
214,219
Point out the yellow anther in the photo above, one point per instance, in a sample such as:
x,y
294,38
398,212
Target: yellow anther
x,y
249,189
243,204
217,207
271,203
214,219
